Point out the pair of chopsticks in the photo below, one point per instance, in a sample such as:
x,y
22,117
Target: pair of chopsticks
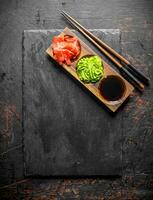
x,y
125,67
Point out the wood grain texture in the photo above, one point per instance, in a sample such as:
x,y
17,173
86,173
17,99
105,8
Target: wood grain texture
x,y
66,132
130,187
134,19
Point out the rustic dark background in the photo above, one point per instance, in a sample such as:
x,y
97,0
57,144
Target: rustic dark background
x,y
134,19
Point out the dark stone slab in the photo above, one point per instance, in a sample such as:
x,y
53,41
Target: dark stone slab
x,y
66,130
129,16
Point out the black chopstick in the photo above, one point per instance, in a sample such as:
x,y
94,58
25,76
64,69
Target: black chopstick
x,y
138,74
123,70
126,63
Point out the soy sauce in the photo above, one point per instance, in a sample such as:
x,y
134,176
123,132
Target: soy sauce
x,y
112,88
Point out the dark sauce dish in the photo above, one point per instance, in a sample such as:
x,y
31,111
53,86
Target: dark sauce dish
x,y
112,88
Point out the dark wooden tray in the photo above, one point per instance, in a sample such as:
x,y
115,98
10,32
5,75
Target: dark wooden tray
x,y
94,88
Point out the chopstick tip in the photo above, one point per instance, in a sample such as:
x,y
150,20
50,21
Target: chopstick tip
x,y
59,10
62,12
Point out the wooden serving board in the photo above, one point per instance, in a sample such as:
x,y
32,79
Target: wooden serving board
x,y
94,88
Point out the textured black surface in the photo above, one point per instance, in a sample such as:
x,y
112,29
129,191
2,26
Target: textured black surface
x,y
135,20
66,131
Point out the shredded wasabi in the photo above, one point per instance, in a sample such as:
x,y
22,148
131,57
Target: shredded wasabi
x,y
90,69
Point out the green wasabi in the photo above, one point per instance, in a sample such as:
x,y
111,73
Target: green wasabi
x,y
90,69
